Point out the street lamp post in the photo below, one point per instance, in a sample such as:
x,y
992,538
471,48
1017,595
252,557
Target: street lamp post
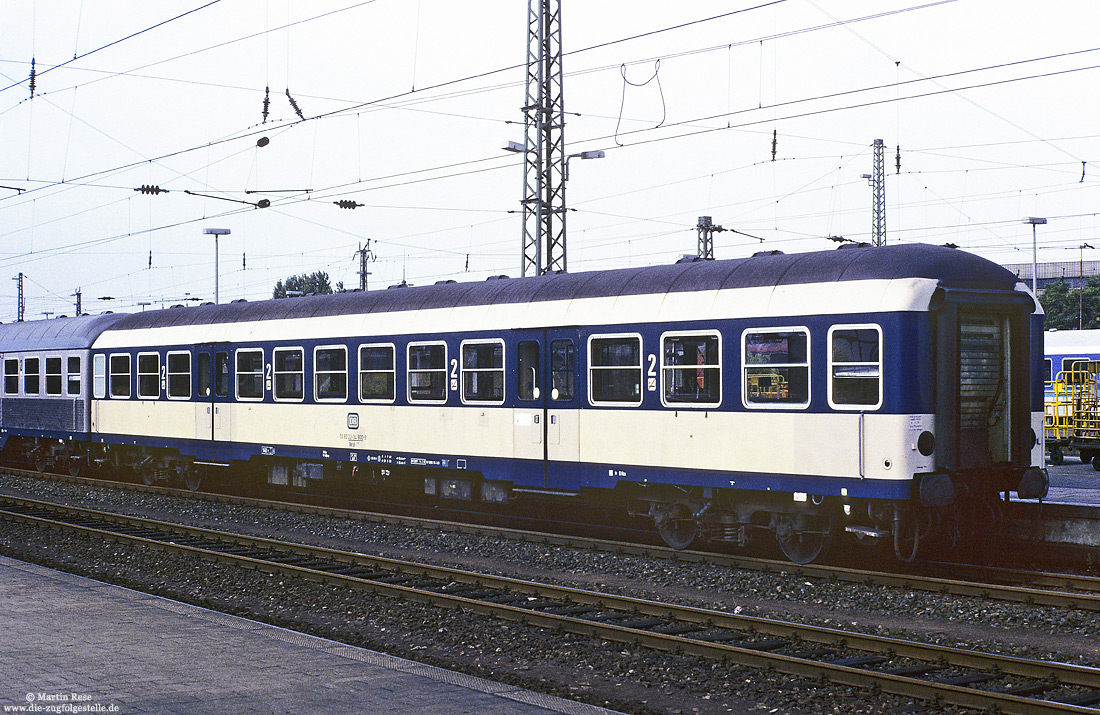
x,y
1081,288
1034,221
216,233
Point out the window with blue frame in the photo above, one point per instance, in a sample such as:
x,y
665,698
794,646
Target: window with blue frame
x,y
250,374
120,375
776,367
483,371
691,369
290,373
148,375
376,373
427,372
330,373
615,369
855,367
179,375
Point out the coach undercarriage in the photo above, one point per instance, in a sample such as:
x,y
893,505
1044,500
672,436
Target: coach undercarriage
x,y
943,510
805,525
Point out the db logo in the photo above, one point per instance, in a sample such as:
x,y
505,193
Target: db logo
x,y
353,420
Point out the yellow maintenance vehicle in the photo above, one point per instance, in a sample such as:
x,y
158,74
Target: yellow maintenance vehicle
x,y
1073,414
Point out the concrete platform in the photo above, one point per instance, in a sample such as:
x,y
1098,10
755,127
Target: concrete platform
x,y
68,640
1073,483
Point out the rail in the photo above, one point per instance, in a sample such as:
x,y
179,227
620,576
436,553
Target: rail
x,y
898,666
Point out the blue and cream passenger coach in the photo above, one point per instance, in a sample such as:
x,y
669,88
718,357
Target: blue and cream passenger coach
x,y
886,392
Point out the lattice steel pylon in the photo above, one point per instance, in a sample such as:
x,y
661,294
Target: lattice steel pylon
x,y
878,201
544,147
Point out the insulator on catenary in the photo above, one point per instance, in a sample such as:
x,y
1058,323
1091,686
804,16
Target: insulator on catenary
x,y
346,204
151,189
775,142
267,102
897,159
294,104
33,78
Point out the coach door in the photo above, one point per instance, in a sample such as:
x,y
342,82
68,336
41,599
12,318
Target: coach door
x,y
546,418
212,410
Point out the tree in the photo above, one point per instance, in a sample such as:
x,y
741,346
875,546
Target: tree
x,y
305,283
1063,305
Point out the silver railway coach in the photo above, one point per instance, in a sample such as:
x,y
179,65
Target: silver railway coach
x,y
886,393
44,404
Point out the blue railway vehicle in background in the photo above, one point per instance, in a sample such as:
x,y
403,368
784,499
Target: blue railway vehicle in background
x,y
1073,411
1062,348
884,393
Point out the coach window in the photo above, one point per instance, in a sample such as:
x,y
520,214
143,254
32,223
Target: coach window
x,y
427,372
691,373
615,369
776,367
72,375
53,376
179,375
563,376
855,367
527,360
290,373
120,376
1048,368
11,376
483,371
250,374
330,373
31,376
1074,363
376,373
99,376
148,375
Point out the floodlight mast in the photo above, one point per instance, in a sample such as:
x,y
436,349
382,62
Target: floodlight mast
x,y
216,233
1034,221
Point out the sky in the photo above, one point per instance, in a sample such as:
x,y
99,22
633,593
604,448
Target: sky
x,y
990,105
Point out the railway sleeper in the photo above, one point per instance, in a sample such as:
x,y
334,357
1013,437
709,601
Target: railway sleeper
x,y
861,661
767,645
968,679
1082,699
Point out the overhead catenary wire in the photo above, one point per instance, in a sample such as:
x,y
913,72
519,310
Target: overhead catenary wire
x,y
376,185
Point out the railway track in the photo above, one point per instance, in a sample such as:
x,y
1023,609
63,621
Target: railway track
x,y
1063,590
935,673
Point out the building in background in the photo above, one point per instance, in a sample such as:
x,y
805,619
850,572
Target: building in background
x,y
1072,272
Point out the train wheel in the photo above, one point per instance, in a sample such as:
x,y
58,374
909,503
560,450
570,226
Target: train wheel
x,y
40,461
77,462
1055,456
1087,456
803,537
678,533
192,479
148,477
906,535
675,524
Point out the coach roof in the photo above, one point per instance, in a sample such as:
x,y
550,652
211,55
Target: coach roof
x,y
952,268
57,334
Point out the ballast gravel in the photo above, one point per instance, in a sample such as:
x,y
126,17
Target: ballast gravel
x,y
629,679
